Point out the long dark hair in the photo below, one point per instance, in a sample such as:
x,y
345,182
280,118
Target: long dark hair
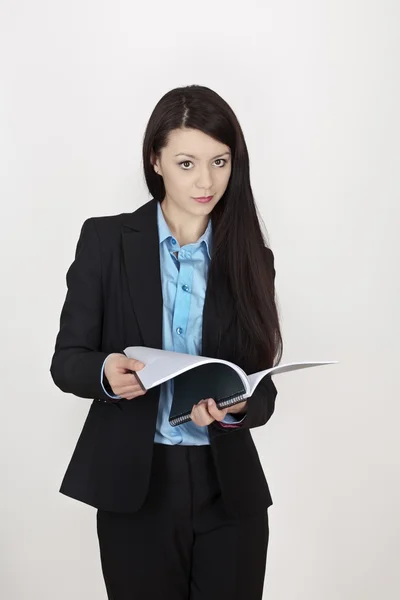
x,y
239,258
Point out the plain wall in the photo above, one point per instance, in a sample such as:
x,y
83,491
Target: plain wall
x,y
315,86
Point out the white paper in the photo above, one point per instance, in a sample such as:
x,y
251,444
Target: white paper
x,y
255,378
162,365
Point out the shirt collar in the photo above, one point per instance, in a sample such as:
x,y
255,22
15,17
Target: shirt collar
x,y
164,231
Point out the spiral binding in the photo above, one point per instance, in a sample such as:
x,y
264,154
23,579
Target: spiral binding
x,y
230,401
180,420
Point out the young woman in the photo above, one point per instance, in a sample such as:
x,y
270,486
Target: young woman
x,y
182,512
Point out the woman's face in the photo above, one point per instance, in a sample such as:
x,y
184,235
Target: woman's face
x,y
192,165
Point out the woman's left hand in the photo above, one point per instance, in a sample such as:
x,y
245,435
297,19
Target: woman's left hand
x,y
206,411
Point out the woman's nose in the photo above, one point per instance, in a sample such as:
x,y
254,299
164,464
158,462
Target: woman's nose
x,y
205,180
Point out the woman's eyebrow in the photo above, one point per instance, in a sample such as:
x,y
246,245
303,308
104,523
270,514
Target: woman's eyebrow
x,y
191,155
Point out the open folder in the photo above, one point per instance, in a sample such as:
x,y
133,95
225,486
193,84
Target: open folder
x,y
198,377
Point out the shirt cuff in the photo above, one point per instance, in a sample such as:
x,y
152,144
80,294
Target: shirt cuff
x,y
102,382
230,420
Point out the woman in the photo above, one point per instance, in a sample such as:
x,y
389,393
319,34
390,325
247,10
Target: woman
x,y
182,512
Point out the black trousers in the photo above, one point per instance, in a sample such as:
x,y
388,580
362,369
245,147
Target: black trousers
x,y
182,544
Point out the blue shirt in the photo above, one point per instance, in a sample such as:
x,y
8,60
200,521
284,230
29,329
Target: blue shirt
x,y
184,282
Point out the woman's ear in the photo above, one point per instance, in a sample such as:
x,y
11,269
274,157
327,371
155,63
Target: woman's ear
x,y
155,163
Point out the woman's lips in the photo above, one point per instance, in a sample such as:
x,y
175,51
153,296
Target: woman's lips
x,y
204,199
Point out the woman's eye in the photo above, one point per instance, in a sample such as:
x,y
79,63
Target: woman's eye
x,y
223,160
188,162
185,162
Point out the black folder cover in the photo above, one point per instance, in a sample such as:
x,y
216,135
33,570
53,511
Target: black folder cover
x,y
214,380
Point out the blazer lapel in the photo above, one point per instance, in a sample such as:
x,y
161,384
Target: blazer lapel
x,y
142,268
210,328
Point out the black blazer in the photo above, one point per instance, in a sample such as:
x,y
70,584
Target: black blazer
x,y
114,300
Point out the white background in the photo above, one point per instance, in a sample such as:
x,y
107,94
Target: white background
x,y
315,86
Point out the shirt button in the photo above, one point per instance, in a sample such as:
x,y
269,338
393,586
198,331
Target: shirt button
x,y
179,330
173,241
185,288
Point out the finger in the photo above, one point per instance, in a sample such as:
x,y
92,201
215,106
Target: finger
x,y
200,414
217,413
132,396
124,390
127,379
134,365
131,390
198,420
194,415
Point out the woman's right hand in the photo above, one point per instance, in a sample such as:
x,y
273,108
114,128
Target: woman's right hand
x,y
123,383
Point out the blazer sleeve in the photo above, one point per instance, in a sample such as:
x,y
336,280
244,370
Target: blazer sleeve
x,y
77,361
261,404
